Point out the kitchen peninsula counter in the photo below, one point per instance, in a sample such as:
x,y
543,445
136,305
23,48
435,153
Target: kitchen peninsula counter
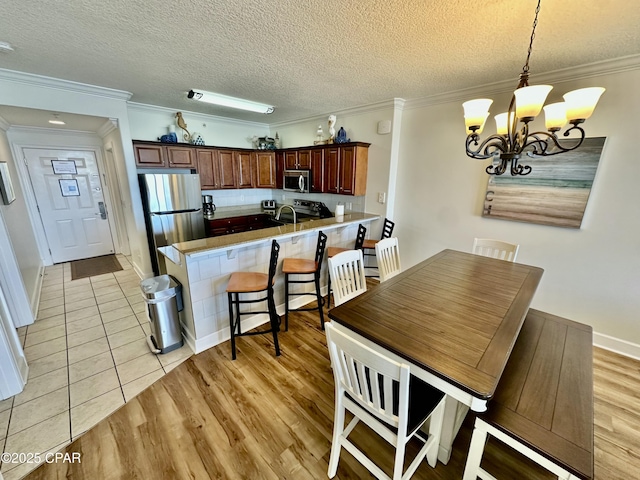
x,y
205,245
203,267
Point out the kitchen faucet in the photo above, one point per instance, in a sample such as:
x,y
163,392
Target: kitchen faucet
x,y
280,211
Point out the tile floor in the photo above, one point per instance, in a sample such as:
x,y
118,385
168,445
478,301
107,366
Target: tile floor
x,y
87,356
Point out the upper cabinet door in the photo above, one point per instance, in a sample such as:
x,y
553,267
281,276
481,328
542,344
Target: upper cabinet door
x,y
317,170
206,168
149,155
181,157
226,177
244,170
332,169
265,171
304,159
291,160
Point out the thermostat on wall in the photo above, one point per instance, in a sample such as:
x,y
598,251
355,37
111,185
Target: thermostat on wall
x,y
384,127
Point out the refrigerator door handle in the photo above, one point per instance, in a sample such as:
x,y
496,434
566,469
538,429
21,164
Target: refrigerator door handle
x,y
172,212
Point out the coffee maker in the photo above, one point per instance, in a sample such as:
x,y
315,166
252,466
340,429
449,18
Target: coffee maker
x,y
208,207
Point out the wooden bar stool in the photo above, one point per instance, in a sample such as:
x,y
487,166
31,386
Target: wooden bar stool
x,y
369,244
254,282
303,266
333,251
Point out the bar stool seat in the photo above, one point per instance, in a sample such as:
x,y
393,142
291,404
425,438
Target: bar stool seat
x,y
304,266
253,282
247,282
333,251
369,243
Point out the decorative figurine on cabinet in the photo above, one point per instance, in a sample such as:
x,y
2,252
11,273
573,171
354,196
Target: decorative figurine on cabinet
x,y
183,125
342,136
170,137
332,130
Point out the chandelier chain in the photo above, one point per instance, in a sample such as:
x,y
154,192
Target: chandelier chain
x,y
525,69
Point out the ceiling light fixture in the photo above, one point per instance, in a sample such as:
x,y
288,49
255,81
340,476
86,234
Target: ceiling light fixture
x,y
56,120
232,102
509,143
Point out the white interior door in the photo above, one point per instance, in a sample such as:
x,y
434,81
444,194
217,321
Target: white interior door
x,y
71,202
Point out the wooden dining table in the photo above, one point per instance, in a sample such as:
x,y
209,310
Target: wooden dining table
x,y
454,319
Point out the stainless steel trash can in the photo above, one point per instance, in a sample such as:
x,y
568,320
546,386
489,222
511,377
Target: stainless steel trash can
x,y
163,296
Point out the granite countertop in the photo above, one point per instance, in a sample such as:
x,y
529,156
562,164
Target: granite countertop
x,y
205,245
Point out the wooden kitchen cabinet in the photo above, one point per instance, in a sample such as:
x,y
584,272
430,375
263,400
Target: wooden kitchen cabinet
x,y
265,170
155,155
229,225
279,169
180,157
317,170
337,168
206,165
243,162
297,159
346,169
227,177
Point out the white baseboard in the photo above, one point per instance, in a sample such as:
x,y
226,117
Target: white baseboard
x,y
34,301
623,347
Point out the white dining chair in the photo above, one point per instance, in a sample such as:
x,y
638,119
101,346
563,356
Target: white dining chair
x,y
388,258
346,271
380,392
495,249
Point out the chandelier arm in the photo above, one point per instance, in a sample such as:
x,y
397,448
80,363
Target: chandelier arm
x,y
542,143
488,148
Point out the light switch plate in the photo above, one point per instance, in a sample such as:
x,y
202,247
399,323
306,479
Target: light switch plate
x,y
382,197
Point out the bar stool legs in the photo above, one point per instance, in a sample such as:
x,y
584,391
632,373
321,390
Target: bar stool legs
x,y
248,283
301,266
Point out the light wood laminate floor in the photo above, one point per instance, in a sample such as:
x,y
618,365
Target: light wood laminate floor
x,y
262,417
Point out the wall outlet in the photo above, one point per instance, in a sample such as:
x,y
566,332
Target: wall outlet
x,y
284,197
349,206
242,198
382,197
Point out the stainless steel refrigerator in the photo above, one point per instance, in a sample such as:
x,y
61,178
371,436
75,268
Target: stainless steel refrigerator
x,y
173,211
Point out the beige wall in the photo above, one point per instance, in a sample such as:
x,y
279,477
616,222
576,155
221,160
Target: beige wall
x,y
591,274
19,228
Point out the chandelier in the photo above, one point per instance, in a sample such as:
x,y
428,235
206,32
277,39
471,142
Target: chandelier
x,y
510,142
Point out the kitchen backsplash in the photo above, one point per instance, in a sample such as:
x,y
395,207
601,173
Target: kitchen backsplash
x,y
254,196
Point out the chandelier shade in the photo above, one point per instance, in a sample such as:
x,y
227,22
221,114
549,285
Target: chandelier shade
x,y
512,138
581,103
555,116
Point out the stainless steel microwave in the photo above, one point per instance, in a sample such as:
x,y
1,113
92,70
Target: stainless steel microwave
x,y
297,181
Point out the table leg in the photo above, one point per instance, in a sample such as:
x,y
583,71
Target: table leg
x,y
454,413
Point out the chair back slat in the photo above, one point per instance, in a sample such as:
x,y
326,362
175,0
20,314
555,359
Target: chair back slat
x,y
368,376
273,262
495,249
388,258
320,247
387,229
347,275
360,237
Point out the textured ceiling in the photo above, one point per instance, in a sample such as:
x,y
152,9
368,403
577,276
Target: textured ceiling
x,y
306,57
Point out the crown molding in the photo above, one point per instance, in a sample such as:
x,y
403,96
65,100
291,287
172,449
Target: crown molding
x,y
49,82
4,125
596,69
142,107
45,130
107,127
393,103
